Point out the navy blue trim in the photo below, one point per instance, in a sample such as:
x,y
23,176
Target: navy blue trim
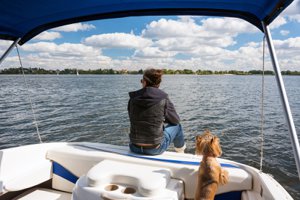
x,y
63,172
235,195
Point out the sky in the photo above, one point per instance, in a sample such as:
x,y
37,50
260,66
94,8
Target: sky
x,y
168,42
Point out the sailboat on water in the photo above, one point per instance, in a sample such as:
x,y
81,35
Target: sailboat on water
x,y
93,171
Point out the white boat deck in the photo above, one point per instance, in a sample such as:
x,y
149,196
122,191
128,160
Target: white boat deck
x,y
43,194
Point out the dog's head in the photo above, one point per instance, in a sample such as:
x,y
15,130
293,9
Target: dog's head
x,y
208,144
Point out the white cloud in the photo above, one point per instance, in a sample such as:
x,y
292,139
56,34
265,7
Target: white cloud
x,y
279,21
292,12
284,32
293,9
185,45
187,27
246,58
288,53
4,44
185,36
227,26
253,44
47,61
75,27
188,42
59,56
65,49
187,19
176,44
164,28
295,17
118,40
153,52
48,35
204,44
288,44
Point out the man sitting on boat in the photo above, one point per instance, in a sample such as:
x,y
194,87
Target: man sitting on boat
x,y
149,109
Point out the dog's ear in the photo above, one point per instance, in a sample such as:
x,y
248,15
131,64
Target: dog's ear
x,y
198,138
212,139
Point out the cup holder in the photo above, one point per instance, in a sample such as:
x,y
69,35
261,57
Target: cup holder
x,y
111,187
129,190
126,190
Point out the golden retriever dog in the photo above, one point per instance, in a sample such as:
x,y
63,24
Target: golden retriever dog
x,y
210,173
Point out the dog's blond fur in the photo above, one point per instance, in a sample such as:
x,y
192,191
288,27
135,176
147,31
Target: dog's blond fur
x,y
210,173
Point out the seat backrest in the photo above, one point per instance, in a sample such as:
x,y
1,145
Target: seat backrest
x,y
25,166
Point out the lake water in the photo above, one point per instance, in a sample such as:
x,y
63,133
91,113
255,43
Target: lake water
x,y
94,108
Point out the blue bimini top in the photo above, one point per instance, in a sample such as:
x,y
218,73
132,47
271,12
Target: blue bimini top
x,y
25,19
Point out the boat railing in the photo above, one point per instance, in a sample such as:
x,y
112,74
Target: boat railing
x,y
284,98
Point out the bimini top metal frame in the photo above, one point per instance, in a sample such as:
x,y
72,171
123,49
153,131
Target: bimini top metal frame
x,y
22,20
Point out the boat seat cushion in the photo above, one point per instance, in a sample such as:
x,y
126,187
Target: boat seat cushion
x,y
43,194
24,167
29,177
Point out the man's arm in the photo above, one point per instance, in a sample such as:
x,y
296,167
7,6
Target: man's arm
x,y
171,115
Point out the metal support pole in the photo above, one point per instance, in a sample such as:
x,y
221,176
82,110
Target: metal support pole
x,y
284,99
9,50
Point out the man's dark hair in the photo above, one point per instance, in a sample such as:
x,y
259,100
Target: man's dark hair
x,y
153,77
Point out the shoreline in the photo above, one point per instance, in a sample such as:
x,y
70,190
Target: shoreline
x,y
75,71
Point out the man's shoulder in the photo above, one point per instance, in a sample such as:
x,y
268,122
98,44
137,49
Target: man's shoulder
x,y
149,92
156,91
135,93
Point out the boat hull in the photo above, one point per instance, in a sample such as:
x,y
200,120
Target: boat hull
x,y
69,167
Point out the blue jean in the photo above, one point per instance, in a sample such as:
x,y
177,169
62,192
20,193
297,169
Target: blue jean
x,y
172,133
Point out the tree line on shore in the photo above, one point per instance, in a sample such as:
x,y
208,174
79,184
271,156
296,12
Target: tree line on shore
x,y
166,71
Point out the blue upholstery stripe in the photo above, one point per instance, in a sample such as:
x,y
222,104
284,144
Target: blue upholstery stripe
x,y
184,162
64,173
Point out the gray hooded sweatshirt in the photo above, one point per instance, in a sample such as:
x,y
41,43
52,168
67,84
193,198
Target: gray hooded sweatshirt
x,y
149,108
